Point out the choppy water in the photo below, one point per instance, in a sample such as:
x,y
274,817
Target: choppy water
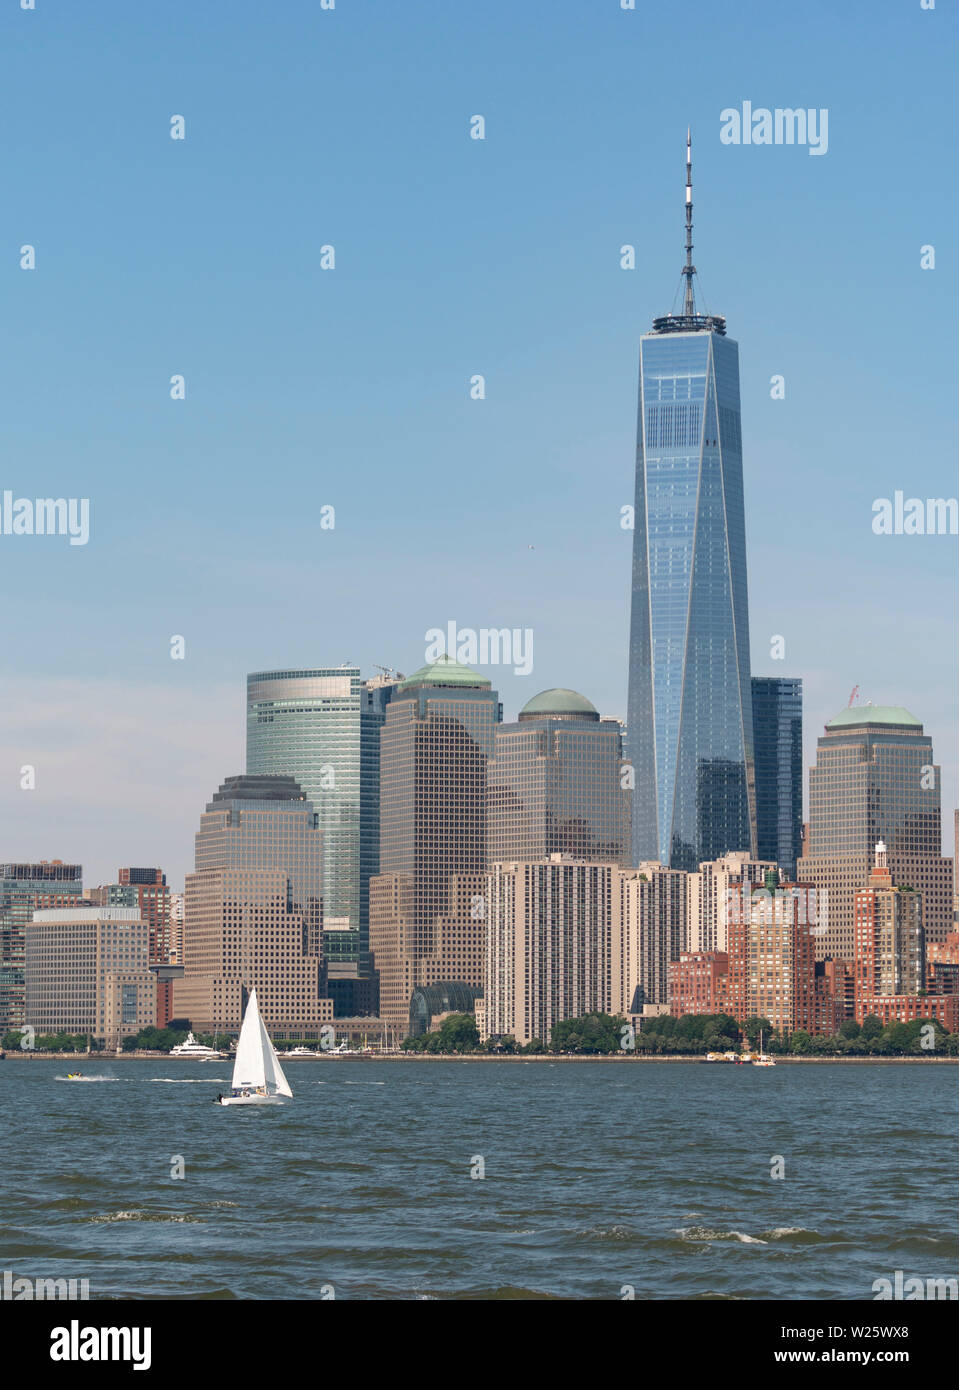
x,y
654,1175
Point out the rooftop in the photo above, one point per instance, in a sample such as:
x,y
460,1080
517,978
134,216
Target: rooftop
x,y
559,701
444,671
857,716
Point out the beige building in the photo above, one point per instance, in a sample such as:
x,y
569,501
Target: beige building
x,y
426,904
549,944
253,913
874,779
650,929
87,970
711,891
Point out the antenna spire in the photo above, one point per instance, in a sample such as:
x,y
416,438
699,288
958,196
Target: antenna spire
x,y
689,270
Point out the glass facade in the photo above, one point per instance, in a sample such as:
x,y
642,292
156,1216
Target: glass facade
x,y
777,740
690,724
23,887
322,727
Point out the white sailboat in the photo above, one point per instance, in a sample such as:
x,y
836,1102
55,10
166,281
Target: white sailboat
x,y
257,1075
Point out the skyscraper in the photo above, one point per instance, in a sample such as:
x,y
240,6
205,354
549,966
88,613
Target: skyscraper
x,y
322,727
690,724
874,779
24,887
556,784
436,745
253,912
777,739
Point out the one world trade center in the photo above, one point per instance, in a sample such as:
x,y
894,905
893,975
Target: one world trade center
x,y
690,707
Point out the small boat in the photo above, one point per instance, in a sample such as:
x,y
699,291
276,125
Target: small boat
x,y
302,1052
191,1048
257,1075
75,1076
763,1059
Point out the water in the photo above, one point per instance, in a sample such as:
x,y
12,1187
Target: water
x,y
654,1175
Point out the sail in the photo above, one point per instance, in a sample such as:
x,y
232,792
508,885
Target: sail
x,y
275,1080
249,1068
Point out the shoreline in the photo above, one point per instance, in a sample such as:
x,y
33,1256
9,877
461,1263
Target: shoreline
x,y
621,1058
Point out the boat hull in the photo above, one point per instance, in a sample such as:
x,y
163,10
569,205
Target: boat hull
x,y
252,1100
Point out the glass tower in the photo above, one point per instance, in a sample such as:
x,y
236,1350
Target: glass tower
x,y
690,723
777,739
322,727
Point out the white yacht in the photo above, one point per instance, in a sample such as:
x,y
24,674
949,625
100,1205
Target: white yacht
x,y
191,1048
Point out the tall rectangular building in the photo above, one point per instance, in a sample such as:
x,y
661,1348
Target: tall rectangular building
x,y
322,727
890,943
22,888
87,970
690,722
713,889
777,743
874,779
548,945
650,932
772,970
254,912
426,913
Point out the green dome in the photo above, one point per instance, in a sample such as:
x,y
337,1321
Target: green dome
x,y
858,715
445,671
567,703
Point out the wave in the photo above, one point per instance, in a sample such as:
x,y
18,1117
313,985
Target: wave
x,y
700,1235
176,1217
192,1080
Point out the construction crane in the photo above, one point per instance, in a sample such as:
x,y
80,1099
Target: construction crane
x,y
855,692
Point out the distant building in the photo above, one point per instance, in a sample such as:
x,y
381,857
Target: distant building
x,y
690,700
254,912
699,983
716,885
176,928
430,1004
874,779
890,944
650,932
88,971
942,965
772,960
22,888
147,890
777,743
426,904
322,727
556,784
548,945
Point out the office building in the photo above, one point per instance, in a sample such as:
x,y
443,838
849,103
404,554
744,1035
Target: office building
x,y
426,904
874,779
253,912
690,722
322,727
24,887
557,784
777,744
771,959
711,890
87,971
145,889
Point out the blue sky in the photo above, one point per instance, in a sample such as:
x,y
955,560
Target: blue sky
x,y
350,387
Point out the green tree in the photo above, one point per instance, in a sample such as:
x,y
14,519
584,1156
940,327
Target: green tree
x,y
871,1027
458,1033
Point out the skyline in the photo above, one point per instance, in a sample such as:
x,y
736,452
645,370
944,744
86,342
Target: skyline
x,y
202,259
